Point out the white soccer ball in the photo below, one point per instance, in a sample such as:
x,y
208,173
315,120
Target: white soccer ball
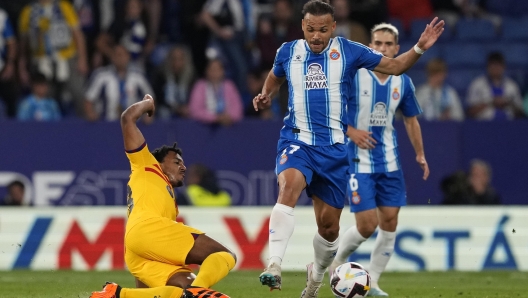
x,y
350,280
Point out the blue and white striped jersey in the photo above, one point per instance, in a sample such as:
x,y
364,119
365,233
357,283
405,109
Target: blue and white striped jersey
x,y
319,87
372,107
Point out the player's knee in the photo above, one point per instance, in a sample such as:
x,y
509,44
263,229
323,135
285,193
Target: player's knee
x,y
329,233
366,229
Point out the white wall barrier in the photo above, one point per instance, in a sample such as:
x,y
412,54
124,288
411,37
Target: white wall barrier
x,y
428,238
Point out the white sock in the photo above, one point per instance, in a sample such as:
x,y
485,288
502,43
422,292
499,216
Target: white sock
x,y
281,227
324,255
381,254
350,241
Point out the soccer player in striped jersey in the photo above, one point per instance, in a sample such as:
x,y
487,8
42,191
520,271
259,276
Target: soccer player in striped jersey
x,y
311,150
376,189
157,248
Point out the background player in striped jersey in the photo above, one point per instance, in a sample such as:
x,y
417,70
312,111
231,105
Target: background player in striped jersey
x,y
158,249
376,189
311,151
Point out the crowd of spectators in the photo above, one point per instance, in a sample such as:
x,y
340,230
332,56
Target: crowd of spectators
x,y
207,59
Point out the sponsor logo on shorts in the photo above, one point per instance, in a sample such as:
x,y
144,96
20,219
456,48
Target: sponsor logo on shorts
x,y
284,159
356,198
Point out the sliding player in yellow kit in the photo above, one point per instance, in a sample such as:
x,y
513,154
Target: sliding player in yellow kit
x,y
158,249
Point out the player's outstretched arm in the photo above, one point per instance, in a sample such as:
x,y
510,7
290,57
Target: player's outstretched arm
x,y
414,132
269,90
132,136
403,62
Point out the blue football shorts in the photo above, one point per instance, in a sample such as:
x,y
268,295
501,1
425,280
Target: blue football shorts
x,y
323,167
367,191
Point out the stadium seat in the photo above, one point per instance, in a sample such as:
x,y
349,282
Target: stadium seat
x,y
475,30
515,29
417,75
516,54
464,54
402,34
418,26
460,79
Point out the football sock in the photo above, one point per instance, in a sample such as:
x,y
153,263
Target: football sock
x,y
166,291
324,255
281,227
381,254
350,241
215,267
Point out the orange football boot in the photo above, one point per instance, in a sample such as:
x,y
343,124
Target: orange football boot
x,y
110,290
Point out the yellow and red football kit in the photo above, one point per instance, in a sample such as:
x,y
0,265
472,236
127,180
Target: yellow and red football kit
x,y
156,245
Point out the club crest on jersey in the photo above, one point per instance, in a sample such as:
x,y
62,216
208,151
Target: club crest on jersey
x,y
395,94
378,117
284,159
355,198
315,78
334,54
171,192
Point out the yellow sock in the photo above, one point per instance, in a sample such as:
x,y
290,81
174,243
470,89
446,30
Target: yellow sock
x,y
162,292
214,268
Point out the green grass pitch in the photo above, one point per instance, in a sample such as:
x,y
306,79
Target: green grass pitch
x,y
244,284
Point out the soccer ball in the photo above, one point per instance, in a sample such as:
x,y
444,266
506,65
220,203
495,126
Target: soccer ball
x,y
350,280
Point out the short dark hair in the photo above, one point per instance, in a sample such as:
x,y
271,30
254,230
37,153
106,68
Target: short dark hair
x,y
318,8
38,78
160,153
16,183
495,57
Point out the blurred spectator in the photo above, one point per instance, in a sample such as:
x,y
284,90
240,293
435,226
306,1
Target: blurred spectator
x,y
347,28
473,188
15,194
439,100
174,82
115,87
447,10
273,31
225,19
456,189
202,188
408,10
369,12
215,99
89,12
38,106
195,32
494,96
129,32
482,193
51,35
255,82
477,9
8,53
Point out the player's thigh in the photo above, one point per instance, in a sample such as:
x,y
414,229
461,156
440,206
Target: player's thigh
x,y
294,169
390,189
203,247
161,239
329,181
361,191
151,274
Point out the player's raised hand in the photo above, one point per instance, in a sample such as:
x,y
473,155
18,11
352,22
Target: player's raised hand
x,y
151,108
261,101
361,138
431,33
420,159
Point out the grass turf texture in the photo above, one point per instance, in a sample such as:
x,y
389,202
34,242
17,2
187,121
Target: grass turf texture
x,y
245,284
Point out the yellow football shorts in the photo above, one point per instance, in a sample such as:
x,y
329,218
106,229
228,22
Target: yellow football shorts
x,y
155,249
